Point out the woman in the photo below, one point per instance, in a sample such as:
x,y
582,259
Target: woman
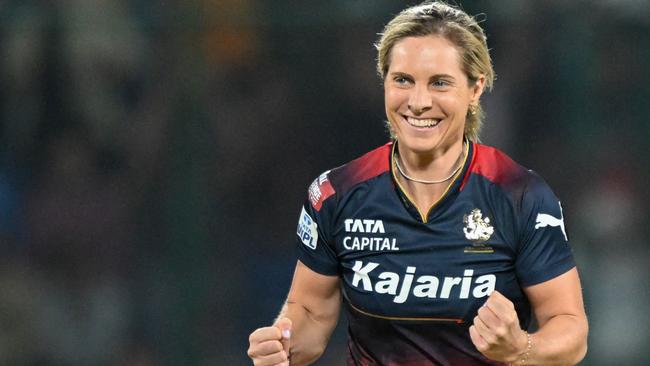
x,y
441,249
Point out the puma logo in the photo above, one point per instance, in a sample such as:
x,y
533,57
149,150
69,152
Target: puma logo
x,y
544,220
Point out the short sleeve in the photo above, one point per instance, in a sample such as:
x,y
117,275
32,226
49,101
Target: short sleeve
x,y
544,252
313,232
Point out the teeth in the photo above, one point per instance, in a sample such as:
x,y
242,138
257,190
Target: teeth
x,y
422,122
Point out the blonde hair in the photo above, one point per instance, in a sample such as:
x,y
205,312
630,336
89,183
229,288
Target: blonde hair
x,y
438,18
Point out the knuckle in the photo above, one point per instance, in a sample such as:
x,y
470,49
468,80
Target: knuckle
x,y
490,338
515,317
482,310
277,347
255,335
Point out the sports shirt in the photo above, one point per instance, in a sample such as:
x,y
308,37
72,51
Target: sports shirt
x,y
412,283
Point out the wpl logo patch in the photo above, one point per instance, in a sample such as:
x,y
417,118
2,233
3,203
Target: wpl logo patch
x,y
307,230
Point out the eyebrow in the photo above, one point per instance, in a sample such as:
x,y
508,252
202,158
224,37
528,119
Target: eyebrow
x,y
399,73
431,78
442,76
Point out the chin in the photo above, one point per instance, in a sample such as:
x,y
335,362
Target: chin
x,y
420,147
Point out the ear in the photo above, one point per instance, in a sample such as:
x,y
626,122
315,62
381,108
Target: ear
x,y
477,89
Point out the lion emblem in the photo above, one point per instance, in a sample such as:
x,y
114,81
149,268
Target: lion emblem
x,y
477,228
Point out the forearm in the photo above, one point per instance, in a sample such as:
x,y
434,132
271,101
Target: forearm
x,y
562,340
310,332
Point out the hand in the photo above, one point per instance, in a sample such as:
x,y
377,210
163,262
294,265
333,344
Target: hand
x,y
496,332
269,346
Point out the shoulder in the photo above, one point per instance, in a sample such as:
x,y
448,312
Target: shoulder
x,y
520,183
340,180
497,167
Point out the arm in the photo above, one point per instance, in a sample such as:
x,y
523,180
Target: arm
x,y
562,335
313,306
310,314
563,328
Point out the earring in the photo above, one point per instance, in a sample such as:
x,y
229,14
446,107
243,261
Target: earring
x,y
472,109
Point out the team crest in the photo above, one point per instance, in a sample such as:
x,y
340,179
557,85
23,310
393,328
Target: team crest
x,y
477,228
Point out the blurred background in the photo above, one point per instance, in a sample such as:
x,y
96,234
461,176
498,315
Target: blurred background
x,y
154,156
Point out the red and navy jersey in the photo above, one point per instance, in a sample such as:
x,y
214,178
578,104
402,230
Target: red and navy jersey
x,y
412,282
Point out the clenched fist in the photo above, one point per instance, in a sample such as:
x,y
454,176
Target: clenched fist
x,y
496,332
269,346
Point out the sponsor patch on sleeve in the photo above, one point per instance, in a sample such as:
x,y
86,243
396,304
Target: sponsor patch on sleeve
x,y
320,190
307,230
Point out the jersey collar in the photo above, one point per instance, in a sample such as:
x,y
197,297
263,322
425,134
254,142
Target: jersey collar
x,y
452,189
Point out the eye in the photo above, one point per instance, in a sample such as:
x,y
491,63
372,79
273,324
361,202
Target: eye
x,y
401,80
440,83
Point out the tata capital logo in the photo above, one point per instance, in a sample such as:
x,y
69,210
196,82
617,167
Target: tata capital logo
x,y
364,226
367,242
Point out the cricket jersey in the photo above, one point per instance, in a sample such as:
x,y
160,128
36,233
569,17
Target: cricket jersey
x,y
413,281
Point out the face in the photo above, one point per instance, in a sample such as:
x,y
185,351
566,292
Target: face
x,y
427,94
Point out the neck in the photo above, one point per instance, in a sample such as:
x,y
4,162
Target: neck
x,y
428,168
431,166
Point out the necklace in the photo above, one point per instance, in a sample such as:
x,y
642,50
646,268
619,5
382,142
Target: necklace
x,y
460,164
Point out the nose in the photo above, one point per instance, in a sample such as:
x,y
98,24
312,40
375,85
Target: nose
x,y
419,100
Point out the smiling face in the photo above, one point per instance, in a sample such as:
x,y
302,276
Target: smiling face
x,y
427,94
